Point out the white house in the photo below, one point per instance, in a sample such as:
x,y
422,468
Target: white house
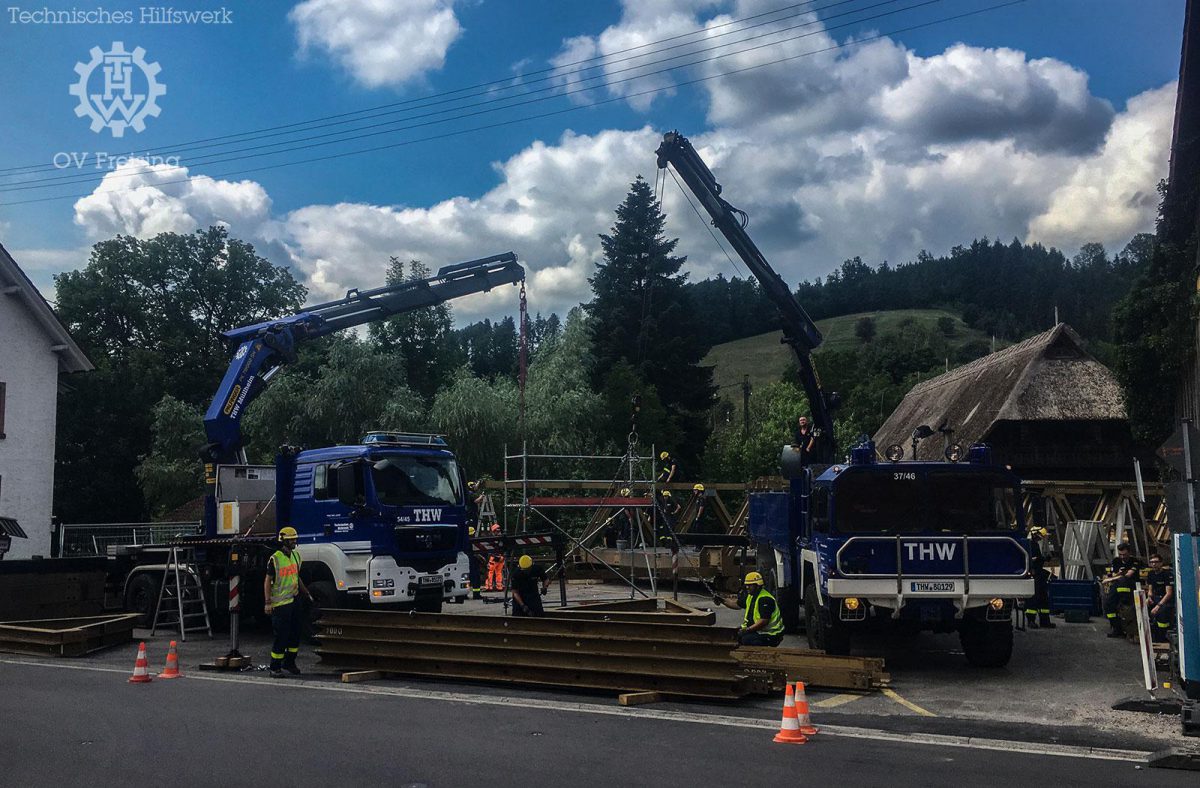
x,y
35,349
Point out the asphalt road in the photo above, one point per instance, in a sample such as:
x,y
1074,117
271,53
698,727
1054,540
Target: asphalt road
x,y
74,723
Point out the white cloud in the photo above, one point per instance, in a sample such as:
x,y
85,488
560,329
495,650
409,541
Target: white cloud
x,y
142,199
872,150
1112,195
379,42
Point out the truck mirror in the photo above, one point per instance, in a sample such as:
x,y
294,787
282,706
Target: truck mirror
x,y
348,491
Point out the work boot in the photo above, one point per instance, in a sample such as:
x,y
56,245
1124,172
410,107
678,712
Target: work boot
x,y
1031,622
275,673
1044,621
289,664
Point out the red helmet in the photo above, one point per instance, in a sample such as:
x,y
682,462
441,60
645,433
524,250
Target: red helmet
x,y
495,528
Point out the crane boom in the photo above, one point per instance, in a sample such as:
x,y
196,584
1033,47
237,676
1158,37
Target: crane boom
x,y
799,330
264,347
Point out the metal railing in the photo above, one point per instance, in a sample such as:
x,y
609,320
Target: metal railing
x,y
93,539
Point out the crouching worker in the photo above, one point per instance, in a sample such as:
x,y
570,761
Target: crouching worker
x,y
762,623
529,582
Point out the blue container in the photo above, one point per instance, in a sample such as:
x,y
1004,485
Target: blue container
x,y
1068,595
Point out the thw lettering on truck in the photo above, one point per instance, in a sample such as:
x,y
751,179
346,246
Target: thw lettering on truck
x,y
427,515
926,551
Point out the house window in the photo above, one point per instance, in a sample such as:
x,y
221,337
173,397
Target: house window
x,y
2,393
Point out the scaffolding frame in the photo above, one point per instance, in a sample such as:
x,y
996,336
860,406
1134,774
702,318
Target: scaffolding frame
x,y
634,472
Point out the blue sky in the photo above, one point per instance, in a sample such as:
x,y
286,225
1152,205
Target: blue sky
x,y
254,73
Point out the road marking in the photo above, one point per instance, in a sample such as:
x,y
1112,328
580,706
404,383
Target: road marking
x,y
908,704
725,720
837,700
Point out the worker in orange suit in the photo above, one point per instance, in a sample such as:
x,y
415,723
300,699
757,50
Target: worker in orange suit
x,y
495,571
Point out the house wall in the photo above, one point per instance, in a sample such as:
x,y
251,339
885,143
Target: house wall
x,y
29,370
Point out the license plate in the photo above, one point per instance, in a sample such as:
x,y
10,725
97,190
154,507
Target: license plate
x,y
920,588
432,580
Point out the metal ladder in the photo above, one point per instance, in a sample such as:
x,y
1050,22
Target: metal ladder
x,y
183,593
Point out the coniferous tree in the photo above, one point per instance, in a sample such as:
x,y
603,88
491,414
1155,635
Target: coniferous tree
x,y
641,319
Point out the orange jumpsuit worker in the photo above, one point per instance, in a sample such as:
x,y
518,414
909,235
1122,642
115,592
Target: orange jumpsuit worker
x,y
495,571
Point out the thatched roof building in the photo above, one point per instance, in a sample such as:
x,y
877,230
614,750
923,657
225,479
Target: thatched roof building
x,y
1046,407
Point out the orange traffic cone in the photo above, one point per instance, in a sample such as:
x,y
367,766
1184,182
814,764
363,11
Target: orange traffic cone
x,y
172,669
789,729
806,726
141,668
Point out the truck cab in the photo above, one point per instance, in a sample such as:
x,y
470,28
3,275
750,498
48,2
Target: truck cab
x,y
935,546
385,521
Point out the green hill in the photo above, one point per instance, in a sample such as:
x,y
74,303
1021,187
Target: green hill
x,y
765,359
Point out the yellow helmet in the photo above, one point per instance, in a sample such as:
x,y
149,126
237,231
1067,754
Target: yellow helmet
x,y
662,455
753,579
471,531
288,532
666,493
524,562
626,492
697,488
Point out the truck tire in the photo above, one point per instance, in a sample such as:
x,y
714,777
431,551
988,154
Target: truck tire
x,y
789,606
822,635
428,604
987,644
141,595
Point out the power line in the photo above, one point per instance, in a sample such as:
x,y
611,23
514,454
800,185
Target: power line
x,y
390,127
500,124
555,71
552,92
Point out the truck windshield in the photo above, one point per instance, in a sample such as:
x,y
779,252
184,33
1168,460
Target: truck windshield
x,y
900,502
878,503
409,481
964,503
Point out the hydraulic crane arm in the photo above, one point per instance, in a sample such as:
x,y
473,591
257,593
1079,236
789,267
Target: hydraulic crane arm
x,y
799,330
264,347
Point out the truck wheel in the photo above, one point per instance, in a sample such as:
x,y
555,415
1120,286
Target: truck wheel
x,y
428,604
141,595
987,644
827,637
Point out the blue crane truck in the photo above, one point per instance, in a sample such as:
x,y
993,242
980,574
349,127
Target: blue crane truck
x,y
860,543
384,521
868,544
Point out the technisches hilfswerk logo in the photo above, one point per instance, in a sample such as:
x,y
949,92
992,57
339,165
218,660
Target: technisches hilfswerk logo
x,y
117,89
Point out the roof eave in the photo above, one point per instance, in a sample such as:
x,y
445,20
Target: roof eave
x,y
71,357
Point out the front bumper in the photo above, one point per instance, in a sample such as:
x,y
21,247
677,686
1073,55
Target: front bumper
x,y
391,583
889,596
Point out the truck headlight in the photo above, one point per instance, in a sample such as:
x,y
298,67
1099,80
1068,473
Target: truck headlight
x,y
851,603
997,604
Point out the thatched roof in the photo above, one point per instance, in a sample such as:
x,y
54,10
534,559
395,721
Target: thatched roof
x,y
1048,377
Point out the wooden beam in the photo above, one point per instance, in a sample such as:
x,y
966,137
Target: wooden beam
x,y
639,698
354,676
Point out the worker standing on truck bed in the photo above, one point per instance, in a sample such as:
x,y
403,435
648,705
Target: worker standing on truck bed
x,y
280,587
1121,577
762,623
804,440
526,593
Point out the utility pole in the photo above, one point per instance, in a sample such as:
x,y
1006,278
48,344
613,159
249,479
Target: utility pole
x,y
746,407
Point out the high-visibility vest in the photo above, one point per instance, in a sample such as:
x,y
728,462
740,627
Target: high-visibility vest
x,y
775,625
286,584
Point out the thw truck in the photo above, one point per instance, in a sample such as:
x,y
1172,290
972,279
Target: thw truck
x,y
383,521
869,544
922,545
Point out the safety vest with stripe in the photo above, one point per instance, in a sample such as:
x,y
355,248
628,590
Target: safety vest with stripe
x,y
286,583
774,625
